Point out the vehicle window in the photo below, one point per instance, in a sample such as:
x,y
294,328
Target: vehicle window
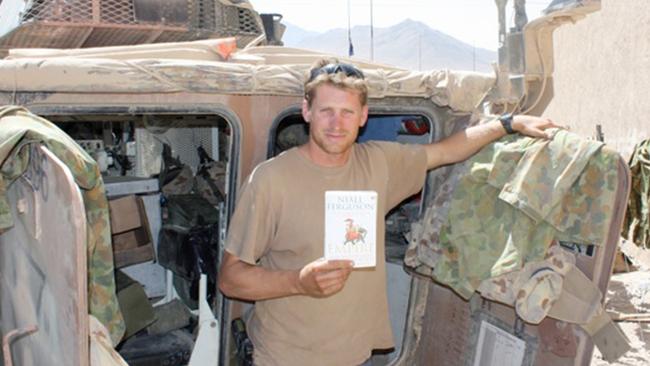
x,y
129,151
133,144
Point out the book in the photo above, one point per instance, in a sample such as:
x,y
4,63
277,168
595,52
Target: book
x,y
351,226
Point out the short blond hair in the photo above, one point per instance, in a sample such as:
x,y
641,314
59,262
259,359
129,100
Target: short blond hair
x,y
340,75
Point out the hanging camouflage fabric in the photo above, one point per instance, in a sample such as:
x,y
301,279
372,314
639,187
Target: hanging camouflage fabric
x,y
176,177
636,226
21,127
516,195
210,180
188,253
188,244
189,210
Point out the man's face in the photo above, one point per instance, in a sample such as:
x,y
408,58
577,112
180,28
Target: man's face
x,y
334,120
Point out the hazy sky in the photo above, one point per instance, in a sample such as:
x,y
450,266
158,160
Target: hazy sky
x,y
471,21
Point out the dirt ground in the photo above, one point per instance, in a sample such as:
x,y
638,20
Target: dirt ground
x,y
629,293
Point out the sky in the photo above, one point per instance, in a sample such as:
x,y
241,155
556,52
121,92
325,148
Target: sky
x,y
471,21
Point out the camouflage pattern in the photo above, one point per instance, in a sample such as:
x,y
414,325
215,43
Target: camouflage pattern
x,y
18,129
210,182
420,255
504,206
175,177
556,288
636,226
181,183
534,289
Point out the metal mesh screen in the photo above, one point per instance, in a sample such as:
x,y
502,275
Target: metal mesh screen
x,y
58,10
117,12
204,14
93,23
183,140
247,22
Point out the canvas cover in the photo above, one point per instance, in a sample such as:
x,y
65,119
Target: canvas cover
x,y
199,67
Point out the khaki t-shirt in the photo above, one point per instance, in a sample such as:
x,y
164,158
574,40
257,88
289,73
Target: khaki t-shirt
x,y
279,224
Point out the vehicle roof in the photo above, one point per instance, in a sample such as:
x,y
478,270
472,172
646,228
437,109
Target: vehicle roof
x,y
216,66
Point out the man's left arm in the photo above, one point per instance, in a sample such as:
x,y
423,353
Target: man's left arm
x,y
464,144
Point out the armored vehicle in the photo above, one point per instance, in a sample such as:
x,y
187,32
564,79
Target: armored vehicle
x,y
173,125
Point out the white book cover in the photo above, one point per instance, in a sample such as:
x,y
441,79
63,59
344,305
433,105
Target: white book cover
x,y
351,226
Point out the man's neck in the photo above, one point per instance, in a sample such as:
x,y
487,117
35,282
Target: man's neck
x,y
324,159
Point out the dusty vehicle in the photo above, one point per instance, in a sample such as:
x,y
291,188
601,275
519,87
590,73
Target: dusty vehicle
x,y
124,104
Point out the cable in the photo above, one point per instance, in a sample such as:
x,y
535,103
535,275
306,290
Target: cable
x,y
544,76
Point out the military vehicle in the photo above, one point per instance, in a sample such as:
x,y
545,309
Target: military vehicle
x,y
143,112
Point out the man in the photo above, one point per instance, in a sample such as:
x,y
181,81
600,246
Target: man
x,y
310,311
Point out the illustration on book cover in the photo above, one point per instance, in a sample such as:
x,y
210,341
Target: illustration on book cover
x,y
351,226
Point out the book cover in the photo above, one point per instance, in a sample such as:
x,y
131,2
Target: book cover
x,y
351,226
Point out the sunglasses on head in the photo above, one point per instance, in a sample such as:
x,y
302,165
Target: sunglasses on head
x,y
347,69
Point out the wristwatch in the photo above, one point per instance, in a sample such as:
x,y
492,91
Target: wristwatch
x,y
506,122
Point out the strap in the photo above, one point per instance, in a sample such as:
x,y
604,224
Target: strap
x,y
607,336
10,109
580,302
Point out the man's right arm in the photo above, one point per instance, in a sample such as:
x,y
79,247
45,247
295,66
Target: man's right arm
x,y
241,280
466,143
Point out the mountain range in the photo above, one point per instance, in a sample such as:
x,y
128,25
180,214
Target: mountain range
x,y
410,44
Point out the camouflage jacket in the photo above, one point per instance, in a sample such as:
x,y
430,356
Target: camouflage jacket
x,y
535,288
636,227
504,206
18,129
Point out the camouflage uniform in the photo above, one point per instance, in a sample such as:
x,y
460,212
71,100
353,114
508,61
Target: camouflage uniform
x,y
18,129
533,289
636,226
504,206
182,182
555,287
210,181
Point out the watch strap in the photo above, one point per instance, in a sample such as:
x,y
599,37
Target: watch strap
x,y
506,122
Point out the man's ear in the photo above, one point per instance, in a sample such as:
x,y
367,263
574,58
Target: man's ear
x,y
306,112
364,115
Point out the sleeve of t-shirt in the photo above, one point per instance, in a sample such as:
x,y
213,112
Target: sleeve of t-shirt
x,y
252,225
407,169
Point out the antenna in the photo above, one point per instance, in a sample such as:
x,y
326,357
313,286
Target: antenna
x,y
474,55
420,50
350,46
372,37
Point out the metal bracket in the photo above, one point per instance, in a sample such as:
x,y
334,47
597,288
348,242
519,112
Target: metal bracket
x,y
12,336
